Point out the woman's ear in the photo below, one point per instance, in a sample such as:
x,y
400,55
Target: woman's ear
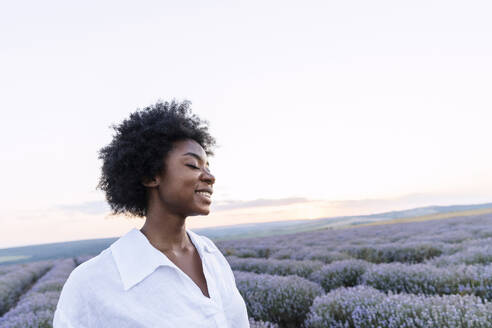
x,y
151,183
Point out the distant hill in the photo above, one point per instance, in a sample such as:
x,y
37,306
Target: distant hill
x,y
240,231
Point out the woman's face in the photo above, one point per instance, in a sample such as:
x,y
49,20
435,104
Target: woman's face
x,y
186,172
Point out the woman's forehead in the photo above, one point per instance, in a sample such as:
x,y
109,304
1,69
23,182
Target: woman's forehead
x,y
190,148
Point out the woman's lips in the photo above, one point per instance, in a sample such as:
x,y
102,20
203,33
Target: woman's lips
x,y
206,198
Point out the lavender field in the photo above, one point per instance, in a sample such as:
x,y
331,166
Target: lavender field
x,y
419,274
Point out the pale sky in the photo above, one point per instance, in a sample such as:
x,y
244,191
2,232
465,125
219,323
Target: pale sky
x,y
320,108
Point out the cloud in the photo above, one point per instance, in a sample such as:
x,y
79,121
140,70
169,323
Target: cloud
x,y
420,198
336,206
93,207
101,207
261,202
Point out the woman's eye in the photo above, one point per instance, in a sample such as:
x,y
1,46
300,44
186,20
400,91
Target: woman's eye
x,y
192,166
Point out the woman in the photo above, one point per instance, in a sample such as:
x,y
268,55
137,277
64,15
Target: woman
x,y
162,275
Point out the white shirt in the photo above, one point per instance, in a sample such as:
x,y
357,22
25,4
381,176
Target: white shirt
x,y
133,284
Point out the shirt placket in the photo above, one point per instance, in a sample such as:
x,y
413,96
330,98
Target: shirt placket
x,y
213,308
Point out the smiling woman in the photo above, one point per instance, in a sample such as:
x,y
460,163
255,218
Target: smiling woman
x,y
163,275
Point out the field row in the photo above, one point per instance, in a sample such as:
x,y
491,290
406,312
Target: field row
x,y
426,274
29,292
403,242
396,277
292,301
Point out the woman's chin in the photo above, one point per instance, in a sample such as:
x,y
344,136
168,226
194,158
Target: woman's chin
x,y
203,210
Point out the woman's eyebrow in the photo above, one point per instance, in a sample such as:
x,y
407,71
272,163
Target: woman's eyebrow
x,y
197,157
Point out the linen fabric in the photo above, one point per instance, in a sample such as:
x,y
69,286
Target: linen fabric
x,y
133,284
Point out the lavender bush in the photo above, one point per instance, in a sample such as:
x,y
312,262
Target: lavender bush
x,y
8,268
82,258
340,273
261,324
36,308
471,255
282,300
365,307
303,253
410,252
35,311
250,251
274,267
15,282
55,278
428,279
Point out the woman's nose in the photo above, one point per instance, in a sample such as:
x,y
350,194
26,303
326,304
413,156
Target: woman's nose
x,y
208,176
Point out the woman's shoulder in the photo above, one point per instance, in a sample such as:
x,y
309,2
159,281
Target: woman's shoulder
x,y
215,251
80,289
209,243
204,241
96,267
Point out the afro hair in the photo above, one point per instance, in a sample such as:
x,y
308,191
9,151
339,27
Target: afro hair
x,y
138,150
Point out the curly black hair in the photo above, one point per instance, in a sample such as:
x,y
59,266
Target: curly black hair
x,y
138,150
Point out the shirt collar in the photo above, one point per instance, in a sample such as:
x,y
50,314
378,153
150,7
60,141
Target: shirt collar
x,y
136,258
